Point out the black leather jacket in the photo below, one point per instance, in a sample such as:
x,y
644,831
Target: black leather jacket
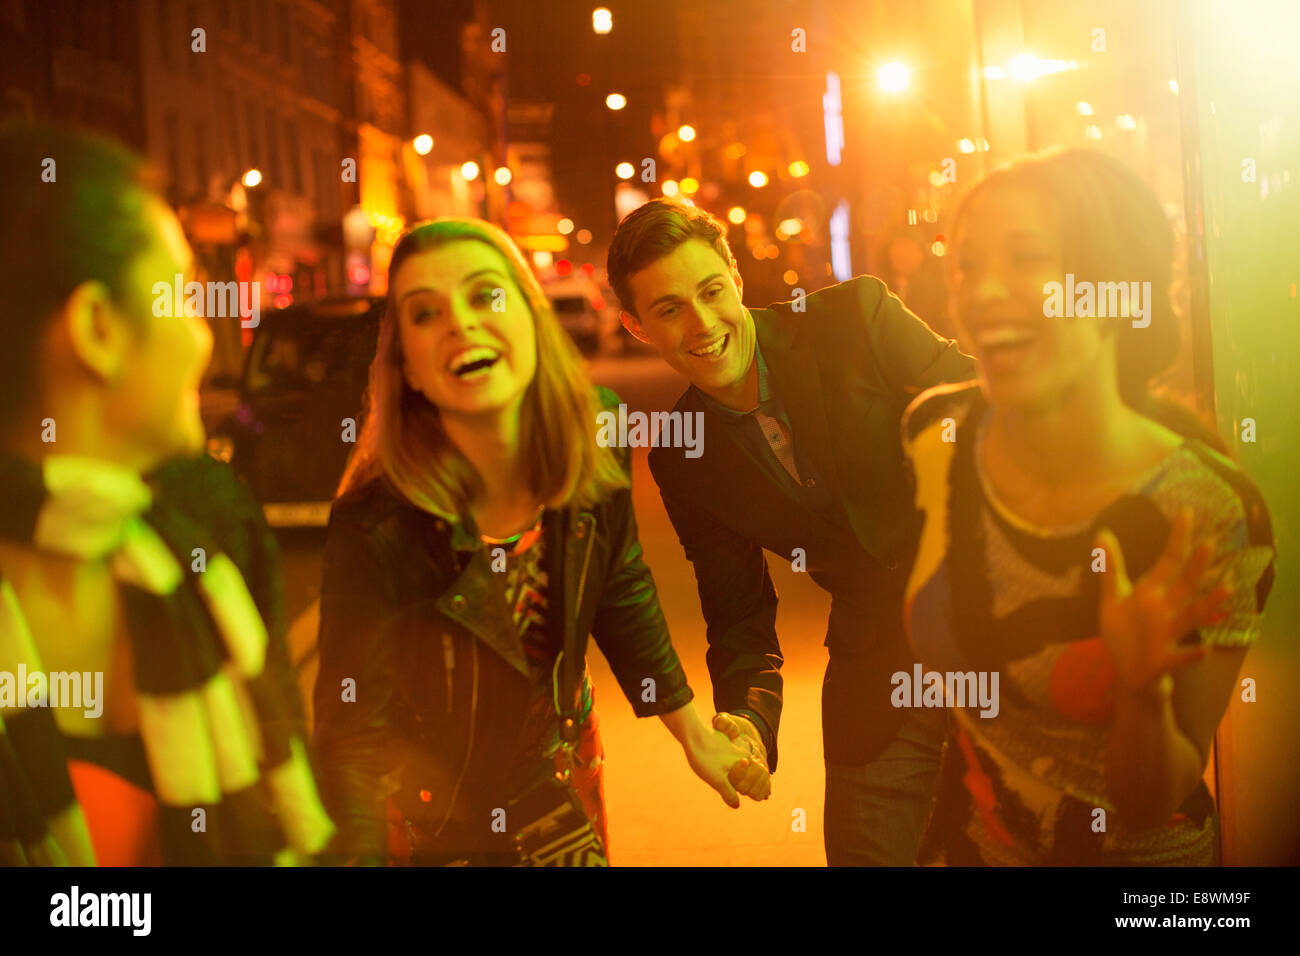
x,y
413,614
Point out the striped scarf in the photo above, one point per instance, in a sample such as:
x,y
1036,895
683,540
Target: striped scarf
x,y
218,735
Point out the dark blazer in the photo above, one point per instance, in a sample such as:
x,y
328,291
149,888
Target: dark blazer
x,y
845,369
412,611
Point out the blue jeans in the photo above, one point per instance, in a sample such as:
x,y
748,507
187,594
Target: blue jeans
x,y
876,813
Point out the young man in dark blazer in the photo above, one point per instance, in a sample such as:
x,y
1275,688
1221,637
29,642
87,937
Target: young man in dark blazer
x,y
801,457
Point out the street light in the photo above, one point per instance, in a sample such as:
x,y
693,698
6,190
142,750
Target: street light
x,y
686,133
252,178
616,101
624,170
503,176
893,77
736,214
564,226
758,179
422,143
469,171
602,21
1026,67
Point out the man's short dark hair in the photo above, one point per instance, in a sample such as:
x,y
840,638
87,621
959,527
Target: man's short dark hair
x,y
71,210
654,230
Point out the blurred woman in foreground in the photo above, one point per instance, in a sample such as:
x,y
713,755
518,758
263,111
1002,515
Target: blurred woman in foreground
x,y
1087,544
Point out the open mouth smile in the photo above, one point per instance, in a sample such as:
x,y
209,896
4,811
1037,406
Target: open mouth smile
x,y
474,361
1004,343
713,350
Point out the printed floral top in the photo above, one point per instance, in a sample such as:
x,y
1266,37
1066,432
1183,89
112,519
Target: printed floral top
x,y
990,592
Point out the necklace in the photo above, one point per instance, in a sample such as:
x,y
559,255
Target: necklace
x,y
517,545
531,526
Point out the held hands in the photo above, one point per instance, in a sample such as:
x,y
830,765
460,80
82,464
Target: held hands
x,y
1141,624
725,761
750,775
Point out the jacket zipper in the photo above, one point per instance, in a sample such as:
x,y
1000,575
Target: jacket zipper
x,y
449,665
582,580
582,583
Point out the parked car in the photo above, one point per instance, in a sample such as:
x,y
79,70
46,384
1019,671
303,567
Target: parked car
x,y
585,314
304,379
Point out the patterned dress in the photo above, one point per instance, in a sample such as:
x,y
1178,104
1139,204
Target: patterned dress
x,y
990,592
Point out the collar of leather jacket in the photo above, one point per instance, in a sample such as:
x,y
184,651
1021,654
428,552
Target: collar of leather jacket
x,y
470,592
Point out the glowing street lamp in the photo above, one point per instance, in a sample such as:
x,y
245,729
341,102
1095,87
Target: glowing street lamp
x,y
469,171
798,169
616,101
564,226
736,214
1027,67
624,170
758,179
686,133
503,176
422,143
893,77
602,21
252,178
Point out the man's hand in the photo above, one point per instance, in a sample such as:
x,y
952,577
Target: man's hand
x,y
749,776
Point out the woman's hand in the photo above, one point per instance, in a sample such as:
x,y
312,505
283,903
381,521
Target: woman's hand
x,y
724,761
713,757
1141,625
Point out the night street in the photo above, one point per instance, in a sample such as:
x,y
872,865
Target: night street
x,y
981,316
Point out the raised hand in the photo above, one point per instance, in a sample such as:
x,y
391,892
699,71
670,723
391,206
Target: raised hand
x,y
1141,624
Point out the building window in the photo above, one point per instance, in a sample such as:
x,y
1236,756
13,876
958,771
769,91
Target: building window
x,y
273,151
254,143
196,59
232,111
291,149
201,155
166,31
172,136
282,16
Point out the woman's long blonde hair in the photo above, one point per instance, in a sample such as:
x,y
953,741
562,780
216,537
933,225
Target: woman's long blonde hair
x,y
403,438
